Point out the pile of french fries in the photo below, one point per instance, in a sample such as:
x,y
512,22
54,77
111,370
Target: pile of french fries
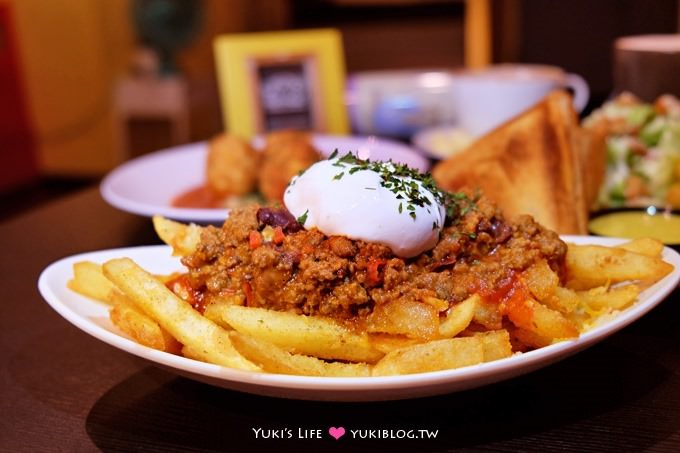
x,y
600,281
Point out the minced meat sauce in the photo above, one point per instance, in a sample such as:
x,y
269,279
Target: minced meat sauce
x,y
264,258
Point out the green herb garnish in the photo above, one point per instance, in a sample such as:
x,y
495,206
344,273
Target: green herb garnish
x,y
303,218
403,181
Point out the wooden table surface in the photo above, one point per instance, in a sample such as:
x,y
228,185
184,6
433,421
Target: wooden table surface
x,y
62,390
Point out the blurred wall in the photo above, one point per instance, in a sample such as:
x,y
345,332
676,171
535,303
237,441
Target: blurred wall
x,y
71,51
579,34
197,63
389,34
17,150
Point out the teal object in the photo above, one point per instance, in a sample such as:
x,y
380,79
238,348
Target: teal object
x,y
166,26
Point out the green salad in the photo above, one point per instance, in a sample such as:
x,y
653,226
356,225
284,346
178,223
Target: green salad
x,y
643,151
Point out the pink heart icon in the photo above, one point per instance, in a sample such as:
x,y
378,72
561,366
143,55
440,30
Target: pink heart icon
x,y
336,432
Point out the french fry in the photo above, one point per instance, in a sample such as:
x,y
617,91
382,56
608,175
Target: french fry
x,y
174,314
524,340
181,237
405,317
89,280
458,317
564,300
645,246
488,315
616,298
595,265
194,354
308,335
531,315
495,343
541,280
385,342
274,359
438,304
142,328
431,356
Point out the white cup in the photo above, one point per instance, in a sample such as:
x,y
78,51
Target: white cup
x,y
398,103
486,98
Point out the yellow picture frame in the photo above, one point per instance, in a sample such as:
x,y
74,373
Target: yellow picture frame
x,y
282,80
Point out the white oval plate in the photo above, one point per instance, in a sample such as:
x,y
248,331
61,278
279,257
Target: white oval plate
x,y
92,317
147,185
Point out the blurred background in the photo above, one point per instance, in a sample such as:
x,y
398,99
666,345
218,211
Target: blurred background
x,y
88,84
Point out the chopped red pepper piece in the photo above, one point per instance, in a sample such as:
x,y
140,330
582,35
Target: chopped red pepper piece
x,y
254,239
248,291
373,271
279,236
181,286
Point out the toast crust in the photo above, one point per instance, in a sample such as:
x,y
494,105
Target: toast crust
x,y
528,165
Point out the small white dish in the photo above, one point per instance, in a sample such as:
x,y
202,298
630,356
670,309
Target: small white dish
x,y
148,184
441,142
93,318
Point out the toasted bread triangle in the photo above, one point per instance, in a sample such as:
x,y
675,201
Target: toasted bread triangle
x,y
528,165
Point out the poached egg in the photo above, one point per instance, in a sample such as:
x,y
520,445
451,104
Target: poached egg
x,y
378,202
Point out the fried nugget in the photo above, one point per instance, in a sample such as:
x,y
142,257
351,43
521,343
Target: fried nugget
x,y
232,165
275,139
283,158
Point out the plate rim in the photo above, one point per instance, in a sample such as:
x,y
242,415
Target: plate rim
x,y
344,388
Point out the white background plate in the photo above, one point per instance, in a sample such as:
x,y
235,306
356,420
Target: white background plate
x,y
147,185
92,317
